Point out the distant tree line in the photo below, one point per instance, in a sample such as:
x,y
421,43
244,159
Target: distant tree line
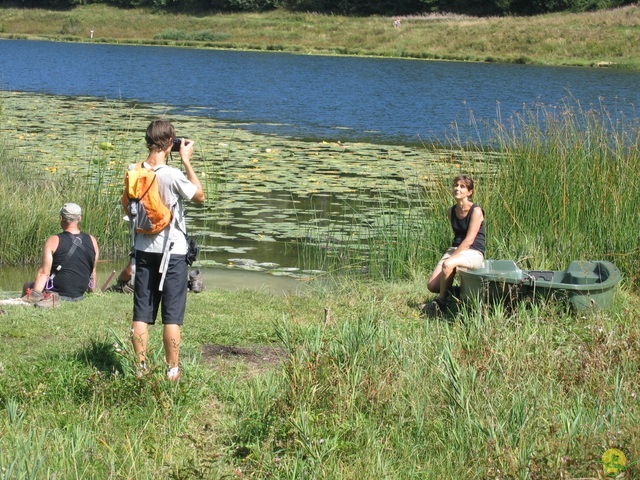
x,y
349,7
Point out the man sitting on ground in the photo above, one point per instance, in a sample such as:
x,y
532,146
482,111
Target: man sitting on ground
x,y
68,267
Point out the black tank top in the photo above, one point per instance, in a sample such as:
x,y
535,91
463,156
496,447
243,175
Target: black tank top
x,y
72,273
460,228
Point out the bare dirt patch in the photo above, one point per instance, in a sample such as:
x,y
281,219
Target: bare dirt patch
x,y
256,359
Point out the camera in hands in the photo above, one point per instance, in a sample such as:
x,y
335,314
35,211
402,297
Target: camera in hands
x,y
176,144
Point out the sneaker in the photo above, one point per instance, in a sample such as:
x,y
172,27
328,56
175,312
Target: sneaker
x,y
142,369
195,281
127,287
173,374
32,296
50,300
121,287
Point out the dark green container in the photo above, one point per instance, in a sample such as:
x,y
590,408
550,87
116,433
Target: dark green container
x,y
584,285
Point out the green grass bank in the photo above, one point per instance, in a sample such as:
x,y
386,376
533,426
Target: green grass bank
x,y
603,38
271,390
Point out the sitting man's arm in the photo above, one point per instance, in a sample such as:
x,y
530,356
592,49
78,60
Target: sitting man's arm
x,y
42,275
93,281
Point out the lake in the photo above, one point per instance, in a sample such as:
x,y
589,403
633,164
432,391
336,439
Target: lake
x,y
314,147
317,97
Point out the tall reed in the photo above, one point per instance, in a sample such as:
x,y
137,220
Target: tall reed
x,y
388,242
91,175
402,238
555,185
25,213
564,189
32,197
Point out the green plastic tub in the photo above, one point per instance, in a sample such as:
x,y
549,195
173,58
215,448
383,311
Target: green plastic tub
x,y
584,285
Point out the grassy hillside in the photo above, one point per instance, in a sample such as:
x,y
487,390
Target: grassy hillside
x,y
606,38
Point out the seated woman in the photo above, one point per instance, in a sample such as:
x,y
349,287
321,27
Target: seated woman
x,y
467,248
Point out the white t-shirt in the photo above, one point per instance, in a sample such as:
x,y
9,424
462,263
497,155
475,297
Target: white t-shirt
x,y
174,188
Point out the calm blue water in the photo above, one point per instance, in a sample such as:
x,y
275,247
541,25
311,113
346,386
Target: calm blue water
x,y
335,98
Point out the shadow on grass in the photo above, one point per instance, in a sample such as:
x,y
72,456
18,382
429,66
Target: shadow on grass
x,y
102,356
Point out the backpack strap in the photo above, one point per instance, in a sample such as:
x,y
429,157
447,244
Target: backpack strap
x,y
76,242
166,254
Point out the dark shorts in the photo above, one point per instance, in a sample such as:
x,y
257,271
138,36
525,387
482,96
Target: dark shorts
x,y
147,299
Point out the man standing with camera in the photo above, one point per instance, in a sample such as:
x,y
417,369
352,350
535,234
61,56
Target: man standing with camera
x,y
161,259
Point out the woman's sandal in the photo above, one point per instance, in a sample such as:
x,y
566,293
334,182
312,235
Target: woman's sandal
x,y
434,308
